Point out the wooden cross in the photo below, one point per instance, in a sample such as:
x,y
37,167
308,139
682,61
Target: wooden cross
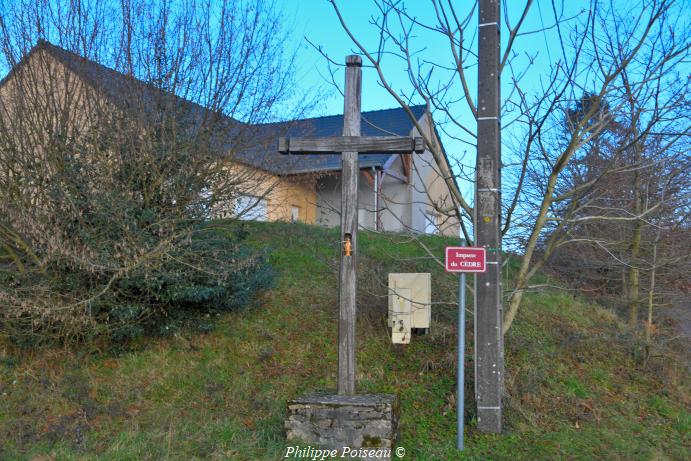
x,y
348,146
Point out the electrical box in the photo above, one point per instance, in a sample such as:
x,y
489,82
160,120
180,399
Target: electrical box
x,y
416,288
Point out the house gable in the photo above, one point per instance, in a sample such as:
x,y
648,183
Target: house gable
x,y
430,194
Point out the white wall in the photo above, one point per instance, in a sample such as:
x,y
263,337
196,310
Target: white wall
x,y
419,198
428,186
329,202
395,201
403,207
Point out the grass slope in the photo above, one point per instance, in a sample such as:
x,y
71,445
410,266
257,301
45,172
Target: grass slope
x,y
577,385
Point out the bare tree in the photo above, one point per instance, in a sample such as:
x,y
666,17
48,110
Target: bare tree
x,y
109,170
613,240
629,58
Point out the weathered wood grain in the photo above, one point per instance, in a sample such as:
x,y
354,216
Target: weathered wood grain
x,y
361,144
349,146
349,224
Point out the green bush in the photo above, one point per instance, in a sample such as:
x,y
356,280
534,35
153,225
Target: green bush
x,y
172,295
214,271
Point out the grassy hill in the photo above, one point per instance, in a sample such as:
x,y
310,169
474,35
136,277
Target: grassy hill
x,y
579,385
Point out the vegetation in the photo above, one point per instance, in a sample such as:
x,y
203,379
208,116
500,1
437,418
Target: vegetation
x,y
157,299
579,385
119,124
618,85
633,263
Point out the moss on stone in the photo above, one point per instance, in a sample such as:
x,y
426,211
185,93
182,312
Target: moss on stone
x,y
370,442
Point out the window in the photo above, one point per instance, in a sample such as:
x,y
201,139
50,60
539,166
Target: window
x,y
295,213
250,208
431,226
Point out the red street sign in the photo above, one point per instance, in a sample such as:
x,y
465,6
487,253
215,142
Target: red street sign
x,y
465,259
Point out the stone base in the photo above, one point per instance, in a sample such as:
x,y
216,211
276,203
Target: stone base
x,y
359,422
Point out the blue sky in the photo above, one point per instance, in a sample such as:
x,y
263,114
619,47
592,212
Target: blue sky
x,y
316,20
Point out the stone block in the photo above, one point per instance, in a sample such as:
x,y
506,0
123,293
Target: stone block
x,y
367,421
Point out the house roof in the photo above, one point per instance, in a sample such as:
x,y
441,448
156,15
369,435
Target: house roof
x,y
125,90
387,122
263,155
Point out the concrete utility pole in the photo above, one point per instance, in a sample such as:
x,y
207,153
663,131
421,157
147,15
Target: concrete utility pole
x,y
489,341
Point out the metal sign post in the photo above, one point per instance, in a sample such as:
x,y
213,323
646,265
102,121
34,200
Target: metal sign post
x,y
462,259
460,385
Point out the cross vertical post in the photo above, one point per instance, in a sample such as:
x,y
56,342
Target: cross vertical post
x,y
349,224
349,145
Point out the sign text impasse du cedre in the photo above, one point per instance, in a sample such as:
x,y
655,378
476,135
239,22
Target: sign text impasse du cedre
x,y
465,259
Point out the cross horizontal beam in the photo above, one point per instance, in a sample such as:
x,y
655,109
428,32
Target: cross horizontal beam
x,y
361,144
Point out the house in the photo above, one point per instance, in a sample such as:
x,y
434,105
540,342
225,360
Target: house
x,y
397,192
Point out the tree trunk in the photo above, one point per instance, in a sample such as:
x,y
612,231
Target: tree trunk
x,y
651,292
523,272
635,251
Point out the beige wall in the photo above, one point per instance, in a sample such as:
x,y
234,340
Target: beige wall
x,y
51,94
281,193
42,95
299,191
439,194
